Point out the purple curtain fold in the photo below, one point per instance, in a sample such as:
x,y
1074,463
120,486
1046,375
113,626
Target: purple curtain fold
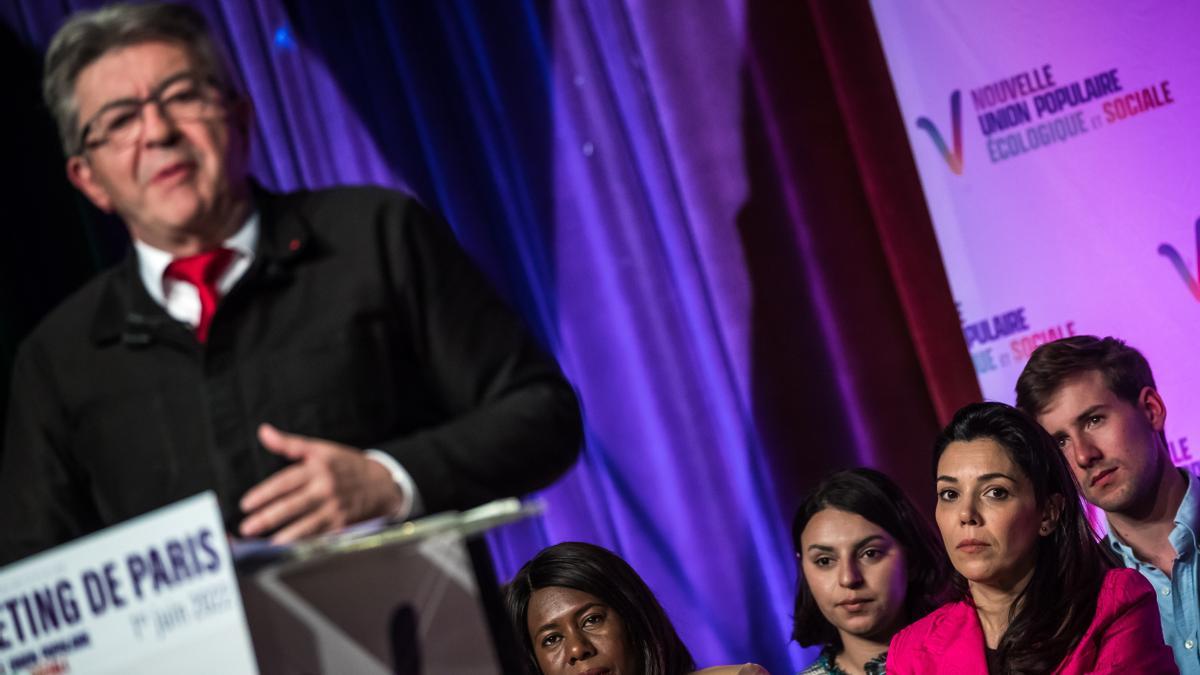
x,y
649,178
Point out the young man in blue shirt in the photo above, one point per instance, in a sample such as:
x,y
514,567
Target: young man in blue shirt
x,y
1097,398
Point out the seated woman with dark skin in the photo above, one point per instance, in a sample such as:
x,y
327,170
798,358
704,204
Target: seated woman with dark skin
x,y
870,564
581,609
1036,592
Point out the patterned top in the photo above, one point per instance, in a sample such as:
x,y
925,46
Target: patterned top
x,y
826,664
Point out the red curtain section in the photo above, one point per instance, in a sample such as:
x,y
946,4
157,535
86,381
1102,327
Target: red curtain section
x,y
864,91
837,214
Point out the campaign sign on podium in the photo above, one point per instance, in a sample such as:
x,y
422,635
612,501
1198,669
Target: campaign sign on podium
x,y
159,589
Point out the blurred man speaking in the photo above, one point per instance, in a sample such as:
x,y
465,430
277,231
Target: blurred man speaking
x,y
316,358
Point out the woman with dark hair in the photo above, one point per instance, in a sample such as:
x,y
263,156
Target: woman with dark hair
x,y
1038,594
579,608
869,565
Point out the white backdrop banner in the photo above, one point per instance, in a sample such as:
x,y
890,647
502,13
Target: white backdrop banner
x,y
1058,148
155,594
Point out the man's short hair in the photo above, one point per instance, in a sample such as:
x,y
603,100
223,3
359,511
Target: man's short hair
x,y
88,35
1124,369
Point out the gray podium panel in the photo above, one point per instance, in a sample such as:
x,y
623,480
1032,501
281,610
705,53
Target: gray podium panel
x,y
406,601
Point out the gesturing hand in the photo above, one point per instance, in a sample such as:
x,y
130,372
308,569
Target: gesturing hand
x,y
329,486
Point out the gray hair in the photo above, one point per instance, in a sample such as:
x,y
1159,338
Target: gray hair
x,y
88,35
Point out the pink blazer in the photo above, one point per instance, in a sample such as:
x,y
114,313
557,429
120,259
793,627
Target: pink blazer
x,y
1124,637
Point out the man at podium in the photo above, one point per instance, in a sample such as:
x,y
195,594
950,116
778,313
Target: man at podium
x,y
316,358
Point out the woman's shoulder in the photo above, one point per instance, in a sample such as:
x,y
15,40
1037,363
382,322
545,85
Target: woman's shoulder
x,y
945,639
918,631
826,664
1125,634
822,665
1123,587
818,667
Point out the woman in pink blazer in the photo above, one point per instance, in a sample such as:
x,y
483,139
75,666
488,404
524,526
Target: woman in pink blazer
x,y
1037,592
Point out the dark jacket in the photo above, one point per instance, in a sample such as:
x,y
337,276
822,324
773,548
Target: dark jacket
x,y
360,321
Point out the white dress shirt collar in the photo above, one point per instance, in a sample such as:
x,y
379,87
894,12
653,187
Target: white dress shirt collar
x,y
180,299
152,262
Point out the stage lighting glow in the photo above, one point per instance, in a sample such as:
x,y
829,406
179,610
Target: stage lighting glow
x,y
284,39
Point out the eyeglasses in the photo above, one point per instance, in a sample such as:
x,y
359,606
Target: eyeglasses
x,y
183,98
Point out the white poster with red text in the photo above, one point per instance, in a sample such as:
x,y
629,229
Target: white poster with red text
x,y
1058,148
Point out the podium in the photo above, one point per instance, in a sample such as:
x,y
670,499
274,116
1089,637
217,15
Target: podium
x,y
417,598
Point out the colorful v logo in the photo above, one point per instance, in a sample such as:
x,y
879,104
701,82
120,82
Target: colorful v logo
x,y
1171,254
954,159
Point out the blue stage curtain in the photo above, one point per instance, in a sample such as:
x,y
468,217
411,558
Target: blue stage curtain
x,y
666,192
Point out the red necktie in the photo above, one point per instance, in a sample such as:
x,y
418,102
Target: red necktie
x,y
202,271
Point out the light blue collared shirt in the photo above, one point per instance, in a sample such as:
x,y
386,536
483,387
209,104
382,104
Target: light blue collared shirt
x,y
1178,604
